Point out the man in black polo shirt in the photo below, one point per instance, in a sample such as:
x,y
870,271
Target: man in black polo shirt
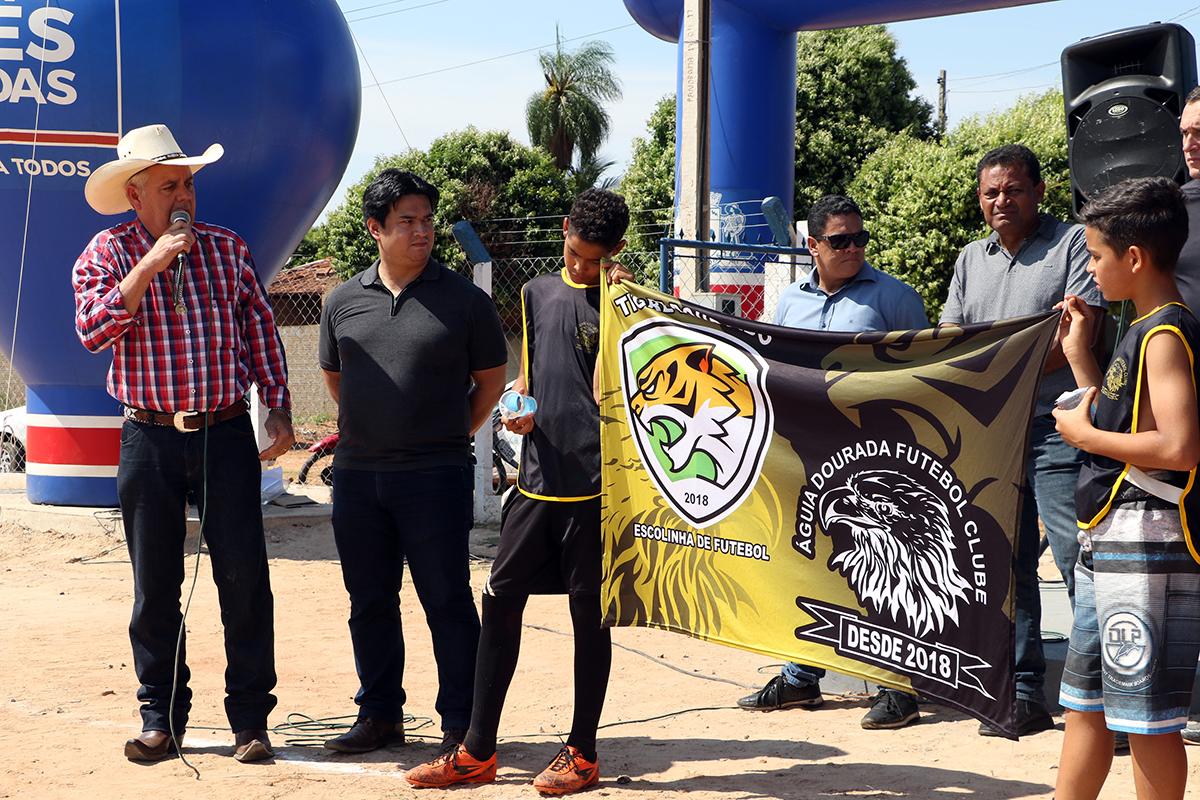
x,y
414,356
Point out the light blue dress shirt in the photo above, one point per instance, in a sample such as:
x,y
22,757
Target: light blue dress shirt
x,y
870,301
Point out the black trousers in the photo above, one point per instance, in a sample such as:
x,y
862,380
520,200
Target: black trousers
x,y
380,520
159,468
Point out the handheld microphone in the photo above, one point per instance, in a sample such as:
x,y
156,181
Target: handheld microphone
x,y
177,216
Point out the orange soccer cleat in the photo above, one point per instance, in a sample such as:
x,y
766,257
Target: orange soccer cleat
x,y
452,767
568,773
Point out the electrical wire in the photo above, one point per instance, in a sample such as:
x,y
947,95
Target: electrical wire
x,y
998,91
560,216
497,58
397,11
199,547
1184,14
376,5
382,94
37,119
660,662
995,75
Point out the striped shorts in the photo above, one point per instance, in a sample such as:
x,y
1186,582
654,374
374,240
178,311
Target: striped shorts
x,y
1136,635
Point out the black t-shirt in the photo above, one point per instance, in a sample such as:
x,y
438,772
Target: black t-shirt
x,y
1187,271
406,365
560,459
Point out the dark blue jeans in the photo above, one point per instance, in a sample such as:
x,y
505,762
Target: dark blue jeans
x,y
380,519
1051,472
159,468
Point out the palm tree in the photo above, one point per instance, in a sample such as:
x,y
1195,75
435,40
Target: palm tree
x,y
567,114
588,174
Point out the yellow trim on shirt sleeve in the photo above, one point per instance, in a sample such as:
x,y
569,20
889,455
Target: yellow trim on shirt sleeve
x,y
567,280
549,499
525,340
1183,520
1137,402
1155,311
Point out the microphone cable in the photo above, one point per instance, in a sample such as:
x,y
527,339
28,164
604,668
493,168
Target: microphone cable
x,y
203,509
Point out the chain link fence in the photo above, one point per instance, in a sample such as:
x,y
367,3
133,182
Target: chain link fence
x,y
736,279
751,283
296,295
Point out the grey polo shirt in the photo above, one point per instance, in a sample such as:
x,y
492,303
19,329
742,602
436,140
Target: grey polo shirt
x,y
406,365
990,283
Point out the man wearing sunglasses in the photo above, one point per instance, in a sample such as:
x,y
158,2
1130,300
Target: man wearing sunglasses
x,y
842,293
1025,266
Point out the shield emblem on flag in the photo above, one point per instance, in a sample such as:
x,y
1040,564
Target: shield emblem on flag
x,y
700,415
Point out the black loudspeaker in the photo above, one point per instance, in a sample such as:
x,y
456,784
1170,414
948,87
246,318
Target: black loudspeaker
x,y
1123,93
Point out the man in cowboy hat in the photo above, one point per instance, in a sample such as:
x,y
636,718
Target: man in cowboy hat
x,y
190,329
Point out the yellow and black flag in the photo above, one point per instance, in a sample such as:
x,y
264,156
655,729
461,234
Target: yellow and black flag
x,y
847,501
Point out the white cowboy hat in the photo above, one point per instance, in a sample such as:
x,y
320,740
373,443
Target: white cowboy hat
x,y
137,150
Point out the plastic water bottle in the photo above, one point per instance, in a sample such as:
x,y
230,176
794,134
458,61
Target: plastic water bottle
x,y
513,405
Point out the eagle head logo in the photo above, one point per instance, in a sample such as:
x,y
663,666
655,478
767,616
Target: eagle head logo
x,y
892,542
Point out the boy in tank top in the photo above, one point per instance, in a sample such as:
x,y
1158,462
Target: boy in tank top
x,y
1136,635
550,527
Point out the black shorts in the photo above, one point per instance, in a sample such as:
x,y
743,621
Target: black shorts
x,y
547,547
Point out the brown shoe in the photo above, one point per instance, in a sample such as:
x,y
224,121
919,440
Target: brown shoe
x,y
367,735
252,745
151,746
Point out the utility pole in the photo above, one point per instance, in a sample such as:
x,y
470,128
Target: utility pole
x,y
693,213
941,111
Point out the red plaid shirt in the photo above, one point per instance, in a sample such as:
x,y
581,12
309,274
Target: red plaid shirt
x,y
201,360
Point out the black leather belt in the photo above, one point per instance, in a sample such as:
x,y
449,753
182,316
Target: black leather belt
x,y
185,421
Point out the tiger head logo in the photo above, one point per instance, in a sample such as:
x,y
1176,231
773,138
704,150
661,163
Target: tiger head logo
x,y
699,392
699,414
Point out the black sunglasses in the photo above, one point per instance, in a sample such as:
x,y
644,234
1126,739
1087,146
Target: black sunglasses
x,y
840,241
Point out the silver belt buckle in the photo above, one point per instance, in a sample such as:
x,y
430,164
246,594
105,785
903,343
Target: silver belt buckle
x,y
181,418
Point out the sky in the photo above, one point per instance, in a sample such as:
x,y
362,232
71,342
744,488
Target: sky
x,y
441,65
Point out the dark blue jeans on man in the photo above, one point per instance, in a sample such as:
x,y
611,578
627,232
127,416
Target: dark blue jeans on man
x,y
1051,472
381,519
160,468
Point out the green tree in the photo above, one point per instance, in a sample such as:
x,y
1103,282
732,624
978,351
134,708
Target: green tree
x,y
919,196
309,248
649,183
568,114
485,177
589,173
853,95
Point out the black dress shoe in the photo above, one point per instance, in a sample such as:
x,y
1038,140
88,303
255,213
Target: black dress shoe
x,y
778,694
367,735
151,746
252,745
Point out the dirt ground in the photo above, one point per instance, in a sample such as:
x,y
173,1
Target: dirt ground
x,y
67,703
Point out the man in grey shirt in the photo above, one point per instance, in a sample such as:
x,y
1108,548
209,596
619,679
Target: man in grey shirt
x,y
1025,266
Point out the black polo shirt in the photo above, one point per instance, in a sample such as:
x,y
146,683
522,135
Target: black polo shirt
x,y
406,365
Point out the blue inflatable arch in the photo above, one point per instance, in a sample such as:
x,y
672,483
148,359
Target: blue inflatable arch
x,y
276,83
